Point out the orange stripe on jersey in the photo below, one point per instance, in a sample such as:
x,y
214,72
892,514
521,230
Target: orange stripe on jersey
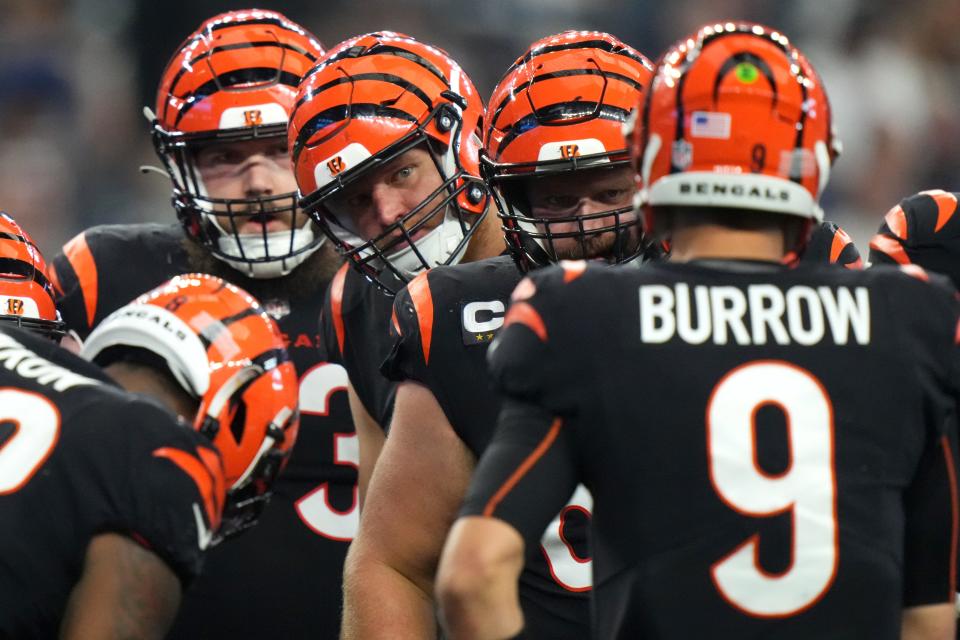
x,y
954,514
840,241
208,479
336,303
522,470
523,313
54,280
81,259
572,269
890,247
395,322
946,206
896,220
419,290
916,271
956,334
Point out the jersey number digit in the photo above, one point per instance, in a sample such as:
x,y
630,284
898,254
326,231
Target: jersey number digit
x,y
568,569
36,427
316,388
807,488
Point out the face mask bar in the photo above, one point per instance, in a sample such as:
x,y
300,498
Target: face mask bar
x,y
53,329
531,240
210,220
372,257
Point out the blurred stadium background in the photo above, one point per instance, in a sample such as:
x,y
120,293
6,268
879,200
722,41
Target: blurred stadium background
x,y
75,74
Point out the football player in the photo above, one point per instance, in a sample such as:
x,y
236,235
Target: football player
x,y
923,230
738,470
385,146
110,499
561,175
220,132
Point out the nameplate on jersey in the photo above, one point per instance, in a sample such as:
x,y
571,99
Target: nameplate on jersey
x,y
481,321
755,314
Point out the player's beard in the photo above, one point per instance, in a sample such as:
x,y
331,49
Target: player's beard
x,y
601,246
307,280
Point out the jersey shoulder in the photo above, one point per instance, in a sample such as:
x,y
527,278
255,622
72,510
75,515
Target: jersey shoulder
x,y
107,266
922,229
459,305
167,486
830,244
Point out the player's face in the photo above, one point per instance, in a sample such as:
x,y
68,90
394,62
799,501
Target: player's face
x,y
588,191
378,200
248,169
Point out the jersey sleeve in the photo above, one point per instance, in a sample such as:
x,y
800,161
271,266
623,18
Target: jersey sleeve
x,y
527,473
175,489
411,333
930,538
74,276
930,500
332,334
529,469
538,352
923,230
829,244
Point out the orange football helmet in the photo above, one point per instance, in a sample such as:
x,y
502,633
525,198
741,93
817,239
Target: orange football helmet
x,y
223,349
26,294
736,117
561,108
369,100
235,79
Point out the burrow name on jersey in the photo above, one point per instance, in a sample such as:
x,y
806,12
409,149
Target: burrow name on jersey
x,y
762,312
25,363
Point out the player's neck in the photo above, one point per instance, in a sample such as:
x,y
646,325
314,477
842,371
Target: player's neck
x,y
487,240
717,242
137,378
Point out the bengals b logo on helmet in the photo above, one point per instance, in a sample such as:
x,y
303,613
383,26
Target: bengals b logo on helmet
x,y
568,151
335,165
253,117
15,307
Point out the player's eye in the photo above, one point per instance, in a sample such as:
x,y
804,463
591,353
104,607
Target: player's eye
x,y
560,202
613,195
403,174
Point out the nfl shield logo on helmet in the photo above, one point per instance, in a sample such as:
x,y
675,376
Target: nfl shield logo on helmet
x,y
682,155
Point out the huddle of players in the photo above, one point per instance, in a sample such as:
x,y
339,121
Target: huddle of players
x,y
747,518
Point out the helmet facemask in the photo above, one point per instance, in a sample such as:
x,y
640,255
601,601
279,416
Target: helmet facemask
x,y
532,239
215,222
395,256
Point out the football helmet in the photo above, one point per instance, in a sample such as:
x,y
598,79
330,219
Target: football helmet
x,y
369,100
736,117
26,294
560,108
225,351
234,80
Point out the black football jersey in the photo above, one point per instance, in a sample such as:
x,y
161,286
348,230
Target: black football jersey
x,y
829,244
768,449
924,230
261,583
354,329
444,321
79,457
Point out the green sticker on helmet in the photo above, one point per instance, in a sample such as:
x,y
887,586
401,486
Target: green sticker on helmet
x,y
747,72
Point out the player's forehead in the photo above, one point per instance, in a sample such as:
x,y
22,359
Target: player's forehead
x,y
583,181
243,147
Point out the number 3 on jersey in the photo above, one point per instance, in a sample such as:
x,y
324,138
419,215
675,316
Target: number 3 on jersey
x,y
36,427
807,487
316,388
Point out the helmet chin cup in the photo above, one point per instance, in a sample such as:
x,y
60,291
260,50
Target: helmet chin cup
x,y
258,250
